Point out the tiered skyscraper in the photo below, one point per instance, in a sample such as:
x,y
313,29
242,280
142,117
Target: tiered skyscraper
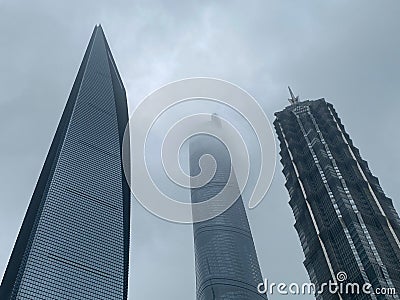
x,y
74,240
343,218
225,257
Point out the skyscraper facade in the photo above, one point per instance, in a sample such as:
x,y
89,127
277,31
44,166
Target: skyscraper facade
x,y
225,257
74,240
345,222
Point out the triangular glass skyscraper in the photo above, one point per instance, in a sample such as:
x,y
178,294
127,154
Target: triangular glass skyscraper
x,y
74,240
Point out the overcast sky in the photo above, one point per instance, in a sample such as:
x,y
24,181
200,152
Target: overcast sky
x,y
347,52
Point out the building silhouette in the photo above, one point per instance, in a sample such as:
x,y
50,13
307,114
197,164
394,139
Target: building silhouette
x,y
74,240
226,262
343,218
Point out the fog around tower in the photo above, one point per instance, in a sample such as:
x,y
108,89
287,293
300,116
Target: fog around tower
x,y
344,52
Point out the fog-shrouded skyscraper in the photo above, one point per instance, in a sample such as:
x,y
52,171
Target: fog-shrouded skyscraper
x,y
74,240
345,222
226,262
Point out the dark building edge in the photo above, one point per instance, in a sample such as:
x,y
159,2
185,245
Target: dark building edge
x,y
123,124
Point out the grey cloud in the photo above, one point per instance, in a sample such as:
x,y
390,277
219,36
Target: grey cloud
x,y
345,52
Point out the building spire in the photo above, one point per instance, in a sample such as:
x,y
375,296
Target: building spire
x,y
292,98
